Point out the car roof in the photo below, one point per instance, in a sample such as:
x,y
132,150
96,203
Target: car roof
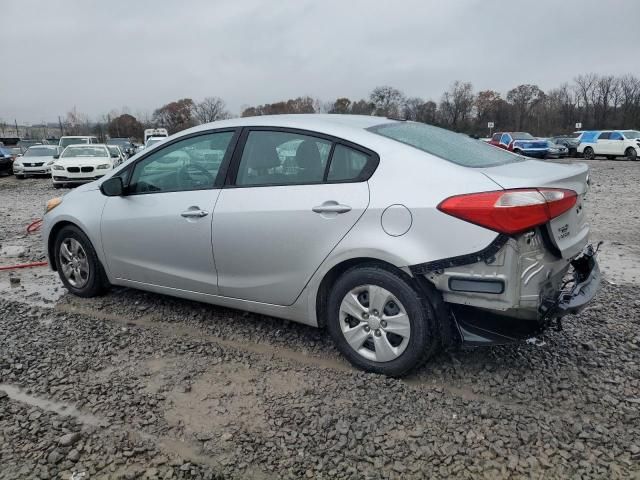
x,y
79,136
85,145
35,147
311,121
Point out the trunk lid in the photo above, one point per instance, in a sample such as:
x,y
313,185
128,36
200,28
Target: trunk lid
x,y
570,231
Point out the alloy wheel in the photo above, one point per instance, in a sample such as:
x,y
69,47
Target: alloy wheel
x,y
374,323
74,262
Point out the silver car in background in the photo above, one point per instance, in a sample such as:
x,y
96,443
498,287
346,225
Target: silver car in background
x,y
397,237
36,160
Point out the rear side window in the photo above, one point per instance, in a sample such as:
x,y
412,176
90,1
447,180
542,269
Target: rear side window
x,y
453,147
282,158
346,164
604,136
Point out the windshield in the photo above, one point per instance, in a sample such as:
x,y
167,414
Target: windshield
x,y
118,141
77,151
522,136
631,134
113,149
41,152
453,147
65,142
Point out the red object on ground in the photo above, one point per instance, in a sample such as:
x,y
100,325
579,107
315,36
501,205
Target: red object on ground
x,y
34,226
25,265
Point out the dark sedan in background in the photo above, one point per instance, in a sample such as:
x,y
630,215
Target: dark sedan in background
x,y
6,161
568,141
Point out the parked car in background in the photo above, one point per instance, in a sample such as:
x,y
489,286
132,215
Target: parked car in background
x,y
610,144
390,234
81,164
521,143
155,132
6,161
116,154
153,140
570,141
77,140
37,160
556,150
25,144
125,144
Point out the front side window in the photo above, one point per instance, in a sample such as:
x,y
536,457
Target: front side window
x,y
190,164
282,158
346,164
616,136
604,136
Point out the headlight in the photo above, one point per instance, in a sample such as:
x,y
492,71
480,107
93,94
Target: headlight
x,y
103,166
53,203
58,167
17,164
49,162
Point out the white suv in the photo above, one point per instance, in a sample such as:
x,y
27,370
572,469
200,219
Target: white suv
x,y
611,144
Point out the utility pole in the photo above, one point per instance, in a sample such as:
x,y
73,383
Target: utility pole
x,y
60,123
16,124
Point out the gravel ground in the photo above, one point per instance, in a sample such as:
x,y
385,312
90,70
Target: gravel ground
x,y
137,385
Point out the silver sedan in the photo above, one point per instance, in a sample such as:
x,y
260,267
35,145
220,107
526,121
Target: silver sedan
x,y
397,237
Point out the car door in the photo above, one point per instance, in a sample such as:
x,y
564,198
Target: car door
x,y
616,144
292,197
159,232
602,146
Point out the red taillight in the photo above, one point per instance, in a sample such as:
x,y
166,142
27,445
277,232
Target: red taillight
x,y
510,211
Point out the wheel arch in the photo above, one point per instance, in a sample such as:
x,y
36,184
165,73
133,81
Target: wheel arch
x,y
51,240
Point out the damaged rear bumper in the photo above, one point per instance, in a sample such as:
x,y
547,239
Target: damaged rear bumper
x,y
536,290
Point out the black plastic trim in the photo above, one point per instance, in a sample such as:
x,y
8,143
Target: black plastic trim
x,y
476,285
491,250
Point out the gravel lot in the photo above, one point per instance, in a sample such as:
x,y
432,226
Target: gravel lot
x,y
137,385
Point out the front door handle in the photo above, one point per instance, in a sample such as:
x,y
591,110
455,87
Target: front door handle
x,y
194,212
331,207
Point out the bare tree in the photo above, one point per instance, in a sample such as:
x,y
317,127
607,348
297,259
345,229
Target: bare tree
x,y
524,98
457,104
210,109
388,101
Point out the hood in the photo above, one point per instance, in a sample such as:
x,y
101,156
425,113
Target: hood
x,y
531,143
84,161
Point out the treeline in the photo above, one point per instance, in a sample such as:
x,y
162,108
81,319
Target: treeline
x,y
596,101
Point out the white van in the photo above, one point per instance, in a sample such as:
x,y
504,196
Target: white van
x,y
76,140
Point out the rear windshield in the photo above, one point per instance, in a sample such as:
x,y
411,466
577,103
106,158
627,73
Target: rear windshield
x,y
453,147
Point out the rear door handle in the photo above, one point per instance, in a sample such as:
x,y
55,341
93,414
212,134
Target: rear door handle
x,y
194,212
331,207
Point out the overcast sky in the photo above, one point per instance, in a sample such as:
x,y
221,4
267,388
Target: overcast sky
x,y
103,55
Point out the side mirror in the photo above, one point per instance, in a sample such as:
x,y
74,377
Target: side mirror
x,y
55,157
112,187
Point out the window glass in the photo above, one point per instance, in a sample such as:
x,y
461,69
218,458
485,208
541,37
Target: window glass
x,y
631,134
190,164
604,136
496,137
615,136
451,146
346,164
88,151
506,139
282,158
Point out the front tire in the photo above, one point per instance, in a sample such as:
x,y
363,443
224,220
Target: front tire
x,y
379,322
77,263
589,154
631,153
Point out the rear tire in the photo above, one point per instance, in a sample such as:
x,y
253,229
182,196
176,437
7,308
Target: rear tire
x,y
392,335
589,154
77,263
631,154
